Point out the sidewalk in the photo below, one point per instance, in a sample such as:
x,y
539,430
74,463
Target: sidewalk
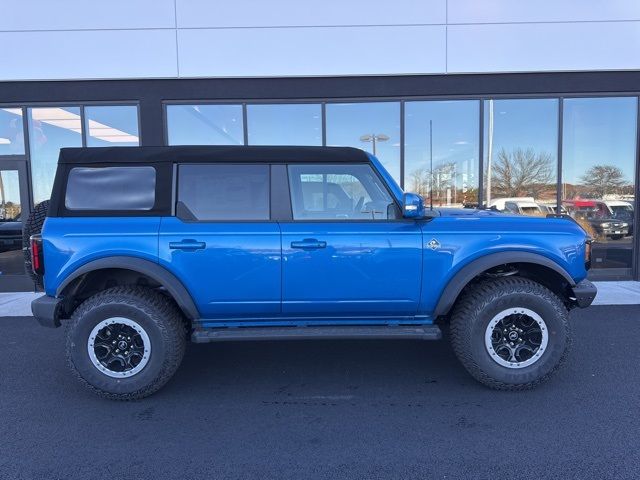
x,y
609,293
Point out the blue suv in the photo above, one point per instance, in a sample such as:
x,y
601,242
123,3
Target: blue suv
x,y
145,248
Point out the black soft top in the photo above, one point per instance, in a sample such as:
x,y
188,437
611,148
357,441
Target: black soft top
x,y
202,153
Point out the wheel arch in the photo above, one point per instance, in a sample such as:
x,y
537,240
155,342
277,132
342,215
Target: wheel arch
x,y
530,265
123,267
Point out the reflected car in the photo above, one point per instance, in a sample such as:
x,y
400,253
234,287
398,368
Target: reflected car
x,y
621,210
518,206
599,218
10,234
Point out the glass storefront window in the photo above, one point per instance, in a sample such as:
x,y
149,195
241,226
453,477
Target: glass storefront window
x,y
374,127
598,175
285,124
111,126
446,132
11,258
520,150
50,129
11,131
205,125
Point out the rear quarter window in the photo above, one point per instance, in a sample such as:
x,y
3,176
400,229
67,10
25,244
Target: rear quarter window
x,y
111,188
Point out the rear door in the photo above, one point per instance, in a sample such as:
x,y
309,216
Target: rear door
x,y
346,250
222,243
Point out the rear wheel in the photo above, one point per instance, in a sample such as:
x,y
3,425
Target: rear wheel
x,y
510,333
126,342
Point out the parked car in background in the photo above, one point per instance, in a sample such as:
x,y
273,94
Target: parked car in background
x,y
620,210
599,217
552,209
10,234
518,206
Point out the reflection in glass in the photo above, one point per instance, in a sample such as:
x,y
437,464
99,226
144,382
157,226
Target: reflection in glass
x,y
11,259
452,126
521,144
205,125
11,131
294,124
374,127
50,129
339,193
111,126
598,172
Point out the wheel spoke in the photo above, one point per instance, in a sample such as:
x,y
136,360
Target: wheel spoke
x,y
516,337
119,347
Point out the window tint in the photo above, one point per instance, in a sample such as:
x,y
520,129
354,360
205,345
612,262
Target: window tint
x,y
223,192
339,192
111,188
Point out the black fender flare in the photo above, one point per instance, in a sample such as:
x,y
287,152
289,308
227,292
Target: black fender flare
x,y
482,264
158,273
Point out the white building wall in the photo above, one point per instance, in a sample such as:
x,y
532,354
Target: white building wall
x,y
79,39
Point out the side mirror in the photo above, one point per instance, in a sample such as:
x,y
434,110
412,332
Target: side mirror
x,y
412,206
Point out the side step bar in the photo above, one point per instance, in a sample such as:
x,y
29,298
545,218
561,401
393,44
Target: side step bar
x,y
395,332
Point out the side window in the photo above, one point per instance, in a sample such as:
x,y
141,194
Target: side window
x,y
511,207
339,192
111,188
223,192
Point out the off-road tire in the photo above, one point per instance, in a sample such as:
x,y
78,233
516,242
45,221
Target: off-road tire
x,y
33,226
473,313
155,313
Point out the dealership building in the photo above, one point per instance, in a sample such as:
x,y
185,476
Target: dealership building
x,y
530,107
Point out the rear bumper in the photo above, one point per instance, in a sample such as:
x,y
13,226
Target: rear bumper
x,y
47,311
584,293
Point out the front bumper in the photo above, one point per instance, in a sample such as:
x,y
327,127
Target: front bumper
x,y
47,311
584,293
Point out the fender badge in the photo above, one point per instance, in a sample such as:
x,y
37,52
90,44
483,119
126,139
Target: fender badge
x,y
433,244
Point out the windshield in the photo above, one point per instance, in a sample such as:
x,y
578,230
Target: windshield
x,y
624,212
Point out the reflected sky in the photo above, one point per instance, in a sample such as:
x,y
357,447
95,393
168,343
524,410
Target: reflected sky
x,y
455,127
527,123
50,129
295,124
111,126
205,125
347,122
520,148
9,187
11,131
598,131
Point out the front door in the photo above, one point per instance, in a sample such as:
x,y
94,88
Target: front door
x,y
14,210
347,251
222,243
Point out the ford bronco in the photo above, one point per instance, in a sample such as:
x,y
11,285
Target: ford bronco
x,y
144,248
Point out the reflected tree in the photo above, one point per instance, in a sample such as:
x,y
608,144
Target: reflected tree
x,y
522,173
601,180
450,186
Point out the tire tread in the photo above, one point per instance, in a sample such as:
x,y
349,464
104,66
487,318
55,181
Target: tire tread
x,y
156,306
474,300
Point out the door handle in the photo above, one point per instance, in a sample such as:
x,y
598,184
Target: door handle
x,y
309,244
189,245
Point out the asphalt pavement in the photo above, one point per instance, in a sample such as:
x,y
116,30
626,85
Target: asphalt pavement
x,y
326,409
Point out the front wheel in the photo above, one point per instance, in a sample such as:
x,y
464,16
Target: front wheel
x,y
125,343
510,333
